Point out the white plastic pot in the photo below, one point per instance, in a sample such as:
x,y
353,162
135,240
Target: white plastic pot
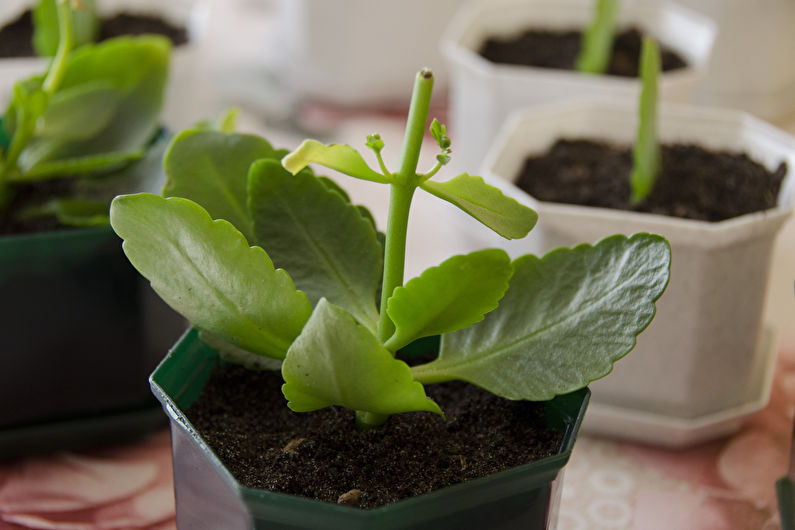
x,y
699,355
482,93
751,66
179,110
358,52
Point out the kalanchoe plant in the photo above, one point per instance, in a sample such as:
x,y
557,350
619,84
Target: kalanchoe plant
x,y
93,112
646,151
528,329
46,27
597,41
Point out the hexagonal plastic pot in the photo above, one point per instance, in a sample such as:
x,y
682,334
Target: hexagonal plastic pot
x,y
80,332
183,87
698,356
482,93
208,497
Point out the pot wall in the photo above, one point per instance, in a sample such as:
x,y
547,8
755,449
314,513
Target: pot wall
x,y
355,52
698,354
183,87
482,94
524,497
81,329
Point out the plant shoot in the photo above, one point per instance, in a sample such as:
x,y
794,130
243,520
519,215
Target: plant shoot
x,y
272,262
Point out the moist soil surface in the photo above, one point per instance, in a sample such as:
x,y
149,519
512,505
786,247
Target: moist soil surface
x,y
32,195
693,183
243,416
16,37
559,49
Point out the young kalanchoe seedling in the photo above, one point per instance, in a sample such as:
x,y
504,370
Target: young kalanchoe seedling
x,y
93,112
528,329
597,40
46,36
646,151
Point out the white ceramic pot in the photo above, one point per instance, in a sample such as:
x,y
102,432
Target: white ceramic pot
x,y
183,87
751,66
482,93
699,355
358,52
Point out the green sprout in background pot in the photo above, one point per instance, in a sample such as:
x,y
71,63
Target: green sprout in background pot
x,y
85,24
646,151
278,269
597,41
91,114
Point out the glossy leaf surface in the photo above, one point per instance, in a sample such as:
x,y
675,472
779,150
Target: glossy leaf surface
x,y
206,271
337,361
485,203
329,249
451,296
564,321
211,168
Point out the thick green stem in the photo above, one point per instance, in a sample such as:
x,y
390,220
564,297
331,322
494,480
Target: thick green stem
x,y
401,192
369,420
415,125
394,252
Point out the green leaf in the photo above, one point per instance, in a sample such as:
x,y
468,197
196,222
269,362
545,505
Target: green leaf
x,y
143,175
332,185
439,133
137,67
79,112
206,271
646,152
46,34
340,157
71,212
597,43
337,361
232,354
72,167
564,321
451,296
485,203
323,241
211,168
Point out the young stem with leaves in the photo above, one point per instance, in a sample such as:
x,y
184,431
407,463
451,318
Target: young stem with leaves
x,y
30,112
401,192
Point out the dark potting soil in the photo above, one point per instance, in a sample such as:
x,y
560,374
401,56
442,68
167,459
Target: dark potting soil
x,y
17,36
127,24
31,195
559,49
694,183
243,416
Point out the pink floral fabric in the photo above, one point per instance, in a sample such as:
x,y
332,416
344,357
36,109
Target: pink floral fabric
x,y
722,485
120,488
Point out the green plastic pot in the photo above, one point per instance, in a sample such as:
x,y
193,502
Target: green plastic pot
x,y
209,497
81,330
